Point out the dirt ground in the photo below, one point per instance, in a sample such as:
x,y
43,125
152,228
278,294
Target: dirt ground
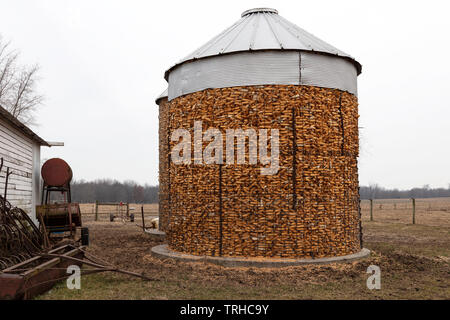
x,y
414,262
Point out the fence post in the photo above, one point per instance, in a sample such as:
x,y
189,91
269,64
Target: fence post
x,y
96,210
143,219
371,209
413,210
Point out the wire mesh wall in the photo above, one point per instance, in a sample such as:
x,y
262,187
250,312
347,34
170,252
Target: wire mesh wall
x,y
308,208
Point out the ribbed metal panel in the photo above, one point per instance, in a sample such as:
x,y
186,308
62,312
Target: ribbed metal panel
x,y
263,67
328,72
247,68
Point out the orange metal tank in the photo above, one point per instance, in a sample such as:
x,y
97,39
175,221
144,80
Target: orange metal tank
x,y
56,172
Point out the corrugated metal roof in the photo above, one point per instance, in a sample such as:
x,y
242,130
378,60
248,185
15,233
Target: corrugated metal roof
x,y
162,95
263,29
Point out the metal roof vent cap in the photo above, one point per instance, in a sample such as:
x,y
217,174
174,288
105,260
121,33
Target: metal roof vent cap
x,y
258,10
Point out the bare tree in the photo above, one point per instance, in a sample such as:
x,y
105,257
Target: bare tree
x,y
138,194
7,66
18,92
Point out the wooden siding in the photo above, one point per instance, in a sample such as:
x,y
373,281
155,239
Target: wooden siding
x,y
17,152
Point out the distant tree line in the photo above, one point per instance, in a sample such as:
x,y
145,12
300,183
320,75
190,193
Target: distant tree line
x,y
108,190
377,192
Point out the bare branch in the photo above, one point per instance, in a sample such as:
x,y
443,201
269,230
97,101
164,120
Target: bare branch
x,y
7,69
18,92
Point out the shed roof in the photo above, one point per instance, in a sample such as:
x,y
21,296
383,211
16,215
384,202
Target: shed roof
x,y
263,29
21,127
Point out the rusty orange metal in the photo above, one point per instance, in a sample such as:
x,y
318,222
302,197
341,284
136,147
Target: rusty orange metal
x,y
56,172
38,274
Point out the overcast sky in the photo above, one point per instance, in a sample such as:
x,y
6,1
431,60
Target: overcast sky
x,y
102,65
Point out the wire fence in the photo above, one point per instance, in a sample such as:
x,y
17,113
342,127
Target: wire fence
x,y
102,212
430,211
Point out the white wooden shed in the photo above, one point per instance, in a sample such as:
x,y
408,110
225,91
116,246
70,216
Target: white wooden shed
x,y
20,149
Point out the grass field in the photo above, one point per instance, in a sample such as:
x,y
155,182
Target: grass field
x,y
414,262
